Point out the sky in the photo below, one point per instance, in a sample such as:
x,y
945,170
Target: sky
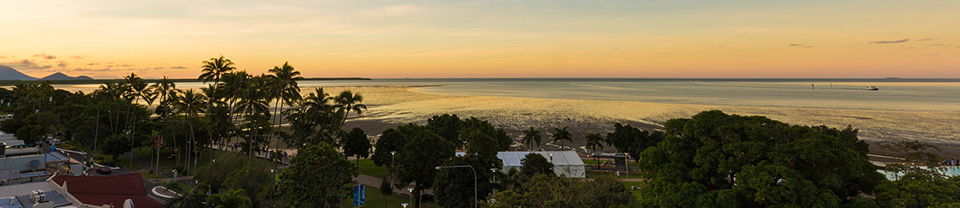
x,y
487,39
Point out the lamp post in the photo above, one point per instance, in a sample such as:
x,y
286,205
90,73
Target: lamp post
x,y
494,170
134,133
392,155
474,179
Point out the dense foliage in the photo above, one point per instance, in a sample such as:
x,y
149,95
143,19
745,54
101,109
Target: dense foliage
x,y
317,177
720,160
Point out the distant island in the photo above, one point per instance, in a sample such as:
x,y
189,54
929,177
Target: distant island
x,y
10,76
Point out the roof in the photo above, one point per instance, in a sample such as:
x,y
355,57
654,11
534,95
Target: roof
x,y
20,194
112,190
559,158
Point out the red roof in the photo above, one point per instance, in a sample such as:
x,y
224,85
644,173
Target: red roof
x,y
112,190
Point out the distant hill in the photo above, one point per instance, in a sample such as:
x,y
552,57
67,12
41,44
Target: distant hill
x,y
7,73
61,76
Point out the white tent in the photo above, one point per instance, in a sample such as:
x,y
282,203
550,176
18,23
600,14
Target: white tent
x,y
565,163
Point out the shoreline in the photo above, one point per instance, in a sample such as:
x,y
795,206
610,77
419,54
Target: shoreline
x,y
392,105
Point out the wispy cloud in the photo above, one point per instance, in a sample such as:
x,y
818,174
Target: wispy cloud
x,y
3,57
925,39
26,64
125,65
78,57
91,70
890,41
62,64
93,64
933,54
800,45
178,67
45,56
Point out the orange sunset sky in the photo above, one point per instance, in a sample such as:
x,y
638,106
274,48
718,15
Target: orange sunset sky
x,y
460,39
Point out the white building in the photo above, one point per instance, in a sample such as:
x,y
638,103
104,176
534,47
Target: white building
x,y
565,163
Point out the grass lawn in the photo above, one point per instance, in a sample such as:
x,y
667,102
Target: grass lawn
x,y
634,192
368,168
593,174
375,199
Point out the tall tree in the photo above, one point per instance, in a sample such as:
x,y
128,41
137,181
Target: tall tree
x,y
531,136
285,89
356,144
422,153
327,171
348,101
595,143
215,68
167,91
560,134
190,103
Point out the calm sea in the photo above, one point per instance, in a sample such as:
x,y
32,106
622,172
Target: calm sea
x,y
893,94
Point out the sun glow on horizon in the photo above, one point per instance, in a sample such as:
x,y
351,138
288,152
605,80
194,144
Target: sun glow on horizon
x,y
387,39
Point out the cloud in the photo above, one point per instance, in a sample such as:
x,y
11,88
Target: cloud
x,y
110,66
91,70
92,64
26,64
178,67
45,56
125,65
62,64
78,57
936,44
795,44
3,57
933,54
800,45
890,41
925,39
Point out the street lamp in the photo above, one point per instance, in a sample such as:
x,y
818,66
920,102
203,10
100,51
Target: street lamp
x,y
404,205
411,194
494,170
474,179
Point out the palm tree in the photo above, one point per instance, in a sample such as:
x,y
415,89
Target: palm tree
x,y
348,101
285,87
595,142
138,88
560,135
251,98
530,136
233,86
230,199
215,68
313,118
191,199
190,103
166,91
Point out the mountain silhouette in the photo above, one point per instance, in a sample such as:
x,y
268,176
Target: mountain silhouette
x,y
61,76
7,73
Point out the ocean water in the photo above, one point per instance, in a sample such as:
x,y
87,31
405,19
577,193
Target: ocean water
x,y
894,94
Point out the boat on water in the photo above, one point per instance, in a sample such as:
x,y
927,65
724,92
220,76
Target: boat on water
x,y
872,88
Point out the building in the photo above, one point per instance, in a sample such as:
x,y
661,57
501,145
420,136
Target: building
x,y
27,163
565,163
108,190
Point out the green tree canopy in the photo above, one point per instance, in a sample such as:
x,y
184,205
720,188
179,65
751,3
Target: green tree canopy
x,y
550,191
230,199
715,159
390,141
534,163
317,177
419,157
447,126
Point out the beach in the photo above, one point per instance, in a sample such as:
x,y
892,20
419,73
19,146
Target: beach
x,y
389,106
